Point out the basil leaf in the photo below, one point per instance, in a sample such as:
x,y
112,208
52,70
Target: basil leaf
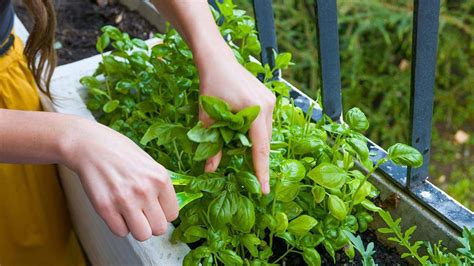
x,y
244,218
230,257
206,150
357,120
210,185
311,257
403,154
292,170
281,222
216,108
319,193
328,176
301,225
185,198
201,134
369,205
360,147
180,179
249,115
249,181
282,60
337,207
110,106
222,208
163,132
251,241
140,44
102,43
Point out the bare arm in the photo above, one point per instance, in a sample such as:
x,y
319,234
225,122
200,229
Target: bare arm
x,y
128,189
219,69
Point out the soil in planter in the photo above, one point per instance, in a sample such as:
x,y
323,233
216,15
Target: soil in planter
x,y
79,24
383,255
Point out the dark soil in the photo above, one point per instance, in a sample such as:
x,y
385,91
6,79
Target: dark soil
x,y
383,255
79,24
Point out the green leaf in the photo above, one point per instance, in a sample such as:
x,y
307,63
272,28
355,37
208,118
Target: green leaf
x,y
230,257
196,231
102,43
292,170
110,106
363,192
359,146
369,205
210,185
140,44
292,209
216,108
227,134
282,60
403,154
301,225
201,134
311,257
287,191
180,179
249,181
281,222
249,115
251,241
307,145
244,140
164,133
206,150
113,32
337,207
244,218
328,176
319,193
222,208
90,82
184,198
357,120
254,68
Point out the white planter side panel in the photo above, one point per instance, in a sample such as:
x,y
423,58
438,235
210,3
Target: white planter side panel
x,y
102,247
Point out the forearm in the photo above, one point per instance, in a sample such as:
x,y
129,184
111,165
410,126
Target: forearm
x,y
193,19
33,137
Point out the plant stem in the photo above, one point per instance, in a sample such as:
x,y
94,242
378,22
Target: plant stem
x,y
284,255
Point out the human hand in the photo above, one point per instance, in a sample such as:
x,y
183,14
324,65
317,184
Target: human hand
x,y
127,188
225,78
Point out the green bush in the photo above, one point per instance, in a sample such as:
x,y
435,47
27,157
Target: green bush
x,y
375,47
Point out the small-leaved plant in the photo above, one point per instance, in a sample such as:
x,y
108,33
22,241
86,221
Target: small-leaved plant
x,y
151,95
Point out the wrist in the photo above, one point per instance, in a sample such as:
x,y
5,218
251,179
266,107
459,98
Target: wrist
x,y
69,140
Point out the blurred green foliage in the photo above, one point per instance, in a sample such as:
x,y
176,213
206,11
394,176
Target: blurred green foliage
x,y
375,47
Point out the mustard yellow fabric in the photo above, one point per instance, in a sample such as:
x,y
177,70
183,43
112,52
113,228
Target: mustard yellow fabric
x,y
35,227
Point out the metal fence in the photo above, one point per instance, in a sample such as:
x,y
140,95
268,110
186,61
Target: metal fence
x,y
425,41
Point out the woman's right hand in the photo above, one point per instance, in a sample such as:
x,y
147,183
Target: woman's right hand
x,y
128,189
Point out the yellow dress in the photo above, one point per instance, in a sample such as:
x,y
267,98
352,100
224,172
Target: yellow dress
x,y
35,227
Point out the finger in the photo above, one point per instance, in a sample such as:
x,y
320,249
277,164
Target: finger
x,y
204,118
269,120
114,221
156,218
213,162
261,151
138,224
168,201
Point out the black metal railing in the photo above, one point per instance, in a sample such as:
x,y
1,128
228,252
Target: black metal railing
x,y
425,41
